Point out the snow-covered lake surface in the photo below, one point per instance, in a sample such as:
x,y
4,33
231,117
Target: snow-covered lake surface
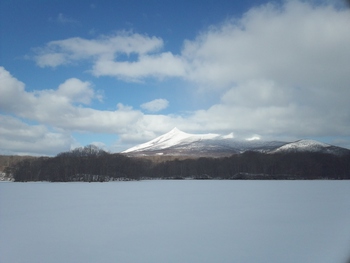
x,y
175,221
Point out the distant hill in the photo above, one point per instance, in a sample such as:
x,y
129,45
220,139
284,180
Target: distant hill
x,y
311,146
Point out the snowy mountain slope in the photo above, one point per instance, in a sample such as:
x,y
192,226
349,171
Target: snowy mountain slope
x,y
174,137
178,143
303,145
311,146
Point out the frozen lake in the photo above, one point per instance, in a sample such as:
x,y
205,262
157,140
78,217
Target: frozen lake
x,y
175,221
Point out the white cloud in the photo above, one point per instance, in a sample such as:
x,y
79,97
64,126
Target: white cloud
x,y
42,105
76,91
57,107
155,105
257,93
280,70
13,96
105,53
160,65
21,138
51,59
294,44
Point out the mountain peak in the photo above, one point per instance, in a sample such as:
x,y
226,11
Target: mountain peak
x,y
175,130
172,137
169,139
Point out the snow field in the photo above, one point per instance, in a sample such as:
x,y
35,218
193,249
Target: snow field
x,y
175,221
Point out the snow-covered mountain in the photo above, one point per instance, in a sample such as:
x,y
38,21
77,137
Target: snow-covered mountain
x,y
311,146
180,143
170,139
177,142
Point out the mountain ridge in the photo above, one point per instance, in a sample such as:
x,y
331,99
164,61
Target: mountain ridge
x,y
177,142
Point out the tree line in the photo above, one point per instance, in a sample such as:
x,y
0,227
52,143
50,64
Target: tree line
x,y
90,164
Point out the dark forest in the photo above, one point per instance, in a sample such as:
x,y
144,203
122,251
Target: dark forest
x,y
90,164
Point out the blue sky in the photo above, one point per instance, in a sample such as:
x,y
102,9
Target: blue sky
x,y
119,73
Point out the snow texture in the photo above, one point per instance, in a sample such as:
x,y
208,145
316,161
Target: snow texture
x,y
174,137
306,146
175,221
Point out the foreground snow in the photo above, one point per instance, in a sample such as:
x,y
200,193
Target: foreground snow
x,y
175,221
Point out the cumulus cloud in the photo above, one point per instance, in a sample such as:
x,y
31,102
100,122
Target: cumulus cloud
x,y
22,138
63,107
282,69
59,112
279,70
107,54
76,91
155,105
294,44
51,59
159,65
66,110
38,104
